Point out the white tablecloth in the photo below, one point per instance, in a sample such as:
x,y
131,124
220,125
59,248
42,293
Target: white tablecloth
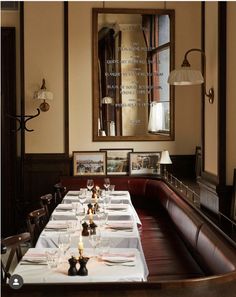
x,y
120,211
98,271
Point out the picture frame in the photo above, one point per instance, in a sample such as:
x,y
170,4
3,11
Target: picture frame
x,y
117,161
144,163
88,163
233,205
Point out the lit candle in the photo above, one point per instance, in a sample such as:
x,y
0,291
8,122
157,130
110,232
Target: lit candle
x,y
90,217
81,245
95,198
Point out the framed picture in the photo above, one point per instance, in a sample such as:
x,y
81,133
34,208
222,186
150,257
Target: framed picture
x,y
117,161
144,163
233,208
89,163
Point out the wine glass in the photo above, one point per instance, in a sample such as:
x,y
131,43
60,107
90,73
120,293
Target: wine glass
x,y
106,183
90,184
82,199
64,241
95,240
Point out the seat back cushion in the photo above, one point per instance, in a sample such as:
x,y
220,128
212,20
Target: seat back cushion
x,y
185,219
215,251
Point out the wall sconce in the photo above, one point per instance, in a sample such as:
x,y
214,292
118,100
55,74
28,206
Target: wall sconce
x,y
165,159
187,76
44,95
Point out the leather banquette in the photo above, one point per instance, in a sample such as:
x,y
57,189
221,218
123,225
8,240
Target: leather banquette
x,y
178,242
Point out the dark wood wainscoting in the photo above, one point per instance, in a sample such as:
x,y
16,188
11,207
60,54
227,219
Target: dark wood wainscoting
x,y
41,172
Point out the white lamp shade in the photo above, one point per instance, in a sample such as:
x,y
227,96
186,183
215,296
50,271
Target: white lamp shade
x,y
107,100
185,76
165,158
43,95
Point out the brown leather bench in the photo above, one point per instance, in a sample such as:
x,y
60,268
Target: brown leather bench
x,y
178,242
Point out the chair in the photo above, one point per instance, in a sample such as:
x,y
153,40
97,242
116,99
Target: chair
x,y
36,221
59,192
14,244
46,203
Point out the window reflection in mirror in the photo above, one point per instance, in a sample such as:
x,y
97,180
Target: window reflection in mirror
x,y
133,55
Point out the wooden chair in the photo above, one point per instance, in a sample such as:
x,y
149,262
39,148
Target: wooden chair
x,y
14,244
59,192
46,203
36,221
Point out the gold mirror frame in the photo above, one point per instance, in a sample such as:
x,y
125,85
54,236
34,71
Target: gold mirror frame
x,y
148,137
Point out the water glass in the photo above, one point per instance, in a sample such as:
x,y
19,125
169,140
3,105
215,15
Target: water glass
x,y
112,188
52,259
106,183
64,241
90,184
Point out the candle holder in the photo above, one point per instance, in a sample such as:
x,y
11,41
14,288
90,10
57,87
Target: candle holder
x,y
93,227
72,271
83,271
85,231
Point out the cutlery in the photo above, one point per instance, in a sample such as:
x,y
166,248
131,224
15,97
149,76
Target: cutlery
x,y
120,264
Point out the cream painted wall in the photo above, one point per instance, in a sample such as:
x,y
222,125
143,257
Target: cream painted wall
x,y
44,50
231,93
187,104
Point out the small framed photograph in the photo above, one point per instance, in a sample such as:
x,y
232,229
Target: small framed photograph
x,y
89,163
144,163
117,161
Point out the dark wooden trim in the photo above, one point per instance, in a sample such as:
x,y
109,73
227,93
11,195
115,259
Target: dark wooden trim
x,y
220,178
66,80
222,43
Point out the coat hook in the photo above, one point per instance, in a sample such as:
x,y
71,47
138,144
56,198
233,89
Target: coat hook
x,y
23,119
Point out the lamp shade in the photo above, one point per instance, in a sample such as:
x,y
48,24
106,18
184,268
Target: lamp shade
x,y
165,158
185,76
43,95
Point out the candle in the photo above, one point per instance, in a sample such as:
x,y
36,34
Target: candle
x,y
81,245
90,217
95,198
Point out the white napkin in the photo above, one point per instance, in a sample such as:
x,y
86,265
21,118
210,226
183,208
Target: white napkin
x,y
117,207
120,226
118,257
73,193
56,225
118,193
64,206
34,257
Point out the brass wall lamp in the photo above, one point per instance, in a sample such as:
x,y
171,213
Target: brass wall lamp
x,y
43,94
187,76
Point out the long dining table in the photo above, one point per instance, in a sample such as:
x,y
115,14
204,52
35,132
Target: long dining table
x,y
118,257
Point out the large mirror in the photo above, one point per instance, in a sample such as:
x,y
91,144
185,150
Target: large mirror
x,y
133,53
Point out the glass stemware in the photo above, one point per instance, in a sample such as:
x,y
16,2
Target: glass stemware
x,y
64,241
90,184
95,240
106,183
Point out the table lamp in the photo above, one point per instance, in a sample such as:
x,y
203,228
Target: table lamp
x,y
165,159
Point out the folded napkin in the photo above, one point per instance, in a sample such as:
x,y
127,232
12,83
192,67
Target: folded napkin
x,y
56,225
120,226
118,257
117,207
73,193
35,257
64,207
118,193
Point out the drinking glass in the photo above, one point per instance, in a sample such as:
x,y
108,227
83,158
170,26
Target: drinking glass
x,y
106,183
90,184
64,241
52,259
95,240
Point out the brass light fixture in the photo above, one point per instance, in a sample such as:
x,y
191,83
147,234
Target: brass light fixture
x,y
43,94
187,76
